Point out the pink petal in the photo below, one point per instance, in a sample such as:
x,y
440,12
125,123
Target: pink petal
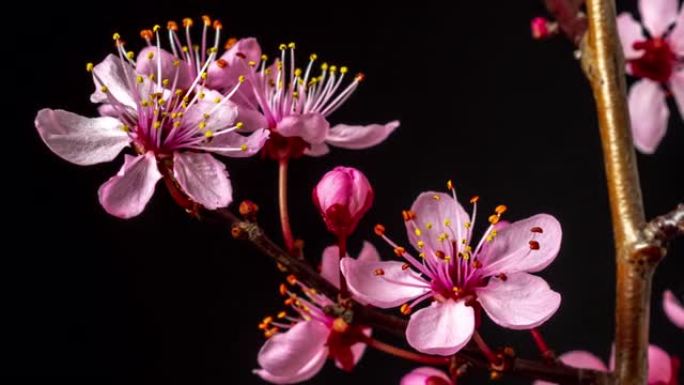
x,y
111,72
313,127
235,145
330,265
149,58
214,115
658,15
358,137
659,366
676,37
357,349
433,211
305,373
579,359
649,114
673,309
81,140
629,31
421,375
395,287
330,262
677,88
203,178
441,328
125,194
521,301
317,149
511,250
288,354
251,118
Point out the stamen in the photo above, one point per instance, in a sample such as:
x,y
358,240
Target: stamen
x,y
534,245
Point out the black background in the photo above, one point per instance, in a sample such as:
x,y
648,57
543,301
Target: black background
x,y
91,299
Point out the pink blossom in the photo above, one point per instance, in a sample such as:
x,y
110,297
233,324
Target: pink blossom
x,y
662,369
673,309
459,277
656,59
319,330
158,106
426,376
330,263
343,196
295,103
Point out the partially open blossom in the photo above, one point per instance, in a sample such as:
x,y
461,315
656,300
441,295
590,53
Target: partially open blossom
x,y
656,59
460,277
319,330
295,103
157,105
343,196
662,369
673,309
426,376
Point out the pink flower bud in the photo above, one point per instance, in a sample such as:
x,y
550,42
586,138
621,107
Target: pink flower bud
x,y
540,28
343,196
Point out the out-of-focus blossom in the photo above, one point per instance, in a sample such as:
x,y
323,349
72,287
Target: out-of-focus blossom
x,y
426,376
460,277
673,309
656,59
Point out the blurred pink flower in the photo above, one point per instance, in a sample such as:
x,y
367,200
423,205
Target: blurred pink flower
x,y
655,58
459,278
154,105
313,335
426,376
295,104
342,197
673,309
662,369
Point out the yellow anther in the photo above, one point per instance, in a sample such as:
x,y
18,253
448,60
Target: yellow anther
x,y
187,22
201,95
468,225
271,332
421,244
207,20
165,82
125,128
324,66
333,69
89,67
217,99
442,237
298,72
428,225
494,219
104,89
208,134
130,55
185,48
450,185
500,209
422,255
418,232
251,63
339,325
456,290
116,36
313,57
474,199
239,125
202,124
405,309
150,55
344,70
178,92
436,197
243,148
204,75
156,28
282,47
281,315
264,57
156,125
177,124
241,78
447,222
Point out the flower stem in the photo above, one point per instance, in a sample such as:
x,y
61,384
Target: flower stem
x,y
342,246
405,354
486,350
282,200
541,344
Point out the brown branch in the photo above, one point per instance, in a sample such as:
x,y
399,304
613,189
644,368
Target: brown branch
x,y
661,230
370,316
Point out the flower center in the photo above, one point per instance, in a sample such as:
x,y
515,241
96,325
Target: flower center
x,y
657,61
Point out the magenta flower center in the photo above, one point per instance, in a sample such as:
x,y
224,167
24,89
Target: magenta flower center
x,y
657,62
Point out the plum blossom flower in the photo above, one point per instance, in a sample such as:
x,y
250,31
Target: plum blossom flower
x,y
458,278
342,197
426,376
662,369
319,330
157,106
330,264
673,309
295,104
656,59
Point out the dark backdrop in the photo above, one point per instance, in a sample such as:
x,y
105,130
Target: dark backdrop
x,y
91,299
